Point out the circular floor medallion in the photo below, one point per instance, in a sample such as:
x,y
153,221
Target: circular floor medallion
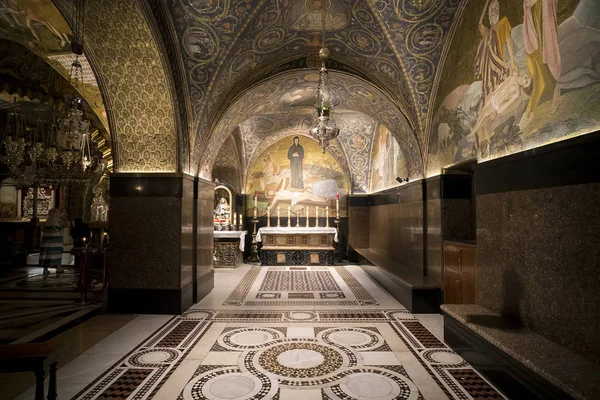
x,y
153,356
355,338
248,338
301,316
442,357
379,385
231,386
300,360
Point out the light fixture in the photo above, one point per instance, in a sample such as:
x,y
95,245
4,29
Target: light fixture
x,y
324,126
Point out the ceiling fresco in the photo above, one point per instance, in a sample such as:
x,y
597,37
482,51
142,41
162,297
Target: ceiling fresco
x,y
398,43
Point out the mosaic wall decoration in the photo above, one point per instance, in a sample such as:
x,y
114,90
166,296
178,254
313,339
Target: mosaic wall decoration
x,y
228,167
387,161
123,48
294,172
519,74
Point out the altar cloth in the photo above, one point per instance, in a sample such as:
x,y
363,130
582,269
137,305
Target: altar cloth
x,y
299,230
232,235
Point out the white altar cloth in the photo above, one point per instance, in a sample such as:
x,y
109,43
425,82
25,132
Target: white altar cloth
x,y
300,230
233,234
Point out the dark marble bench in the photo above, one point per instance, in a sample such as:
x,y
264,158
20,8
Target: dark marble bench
x,y
520,362
416,293
39,358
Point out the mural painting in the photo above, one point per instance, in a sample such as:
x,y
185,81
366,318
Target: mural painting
x,y
294,172
519,74
387,161
307,15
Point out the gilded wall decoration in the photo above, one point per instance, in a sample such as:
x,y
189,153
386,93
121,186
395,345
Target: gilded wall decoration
x,y
122,46
418,31
228,168
536,81
294,172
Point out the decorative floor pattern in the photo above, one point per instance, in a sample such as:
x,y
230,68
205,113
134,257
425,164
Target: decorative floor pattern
x,y
299,287
329,354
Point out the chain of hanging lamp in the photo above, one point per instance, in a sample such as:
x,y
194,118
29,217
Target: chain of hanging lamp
x,y
324,127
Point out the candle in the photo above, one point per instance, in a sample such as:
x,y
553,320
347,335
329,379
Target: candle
x,y
317,216
337,206
255,211
307,224
240,220
327,217
289,218
255,197
234,218
268,217
277,216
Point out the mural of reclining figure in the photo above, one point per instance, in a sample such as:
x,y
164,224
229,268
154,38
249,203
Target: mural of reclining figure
x,y
318,193
498,103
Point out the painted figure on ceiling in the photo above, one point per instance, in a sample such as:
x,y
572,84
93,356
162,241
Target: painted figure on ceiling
x,y
311,17
540,38
490,61
296,156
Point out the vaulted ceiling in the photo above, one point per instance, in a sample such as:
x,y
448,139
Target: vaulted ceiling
x,y
385,54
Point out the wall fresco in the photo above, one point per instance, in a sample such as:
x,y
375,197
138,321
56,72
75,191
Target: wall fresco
x,y
519,74
387,161
294,172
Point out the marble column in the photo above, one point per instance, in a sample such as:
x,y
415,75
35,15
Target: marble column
x,y
156,221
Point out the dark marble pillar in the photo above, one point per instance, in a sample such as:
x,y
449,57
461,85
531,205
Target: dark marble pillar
x,y
155,254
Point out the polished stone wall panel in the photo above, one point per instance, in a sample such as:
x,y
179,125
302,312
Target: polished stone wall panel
x,y
435,248
457,220
538,258
187,231
358,227
204,241
139,259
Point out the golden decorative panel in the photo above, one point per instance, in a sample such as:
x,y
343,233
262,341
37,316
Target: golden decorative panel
x,y
120,43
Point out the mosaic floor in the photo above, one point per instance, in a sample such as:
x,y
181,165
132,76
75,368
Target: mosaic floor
x,y
286,347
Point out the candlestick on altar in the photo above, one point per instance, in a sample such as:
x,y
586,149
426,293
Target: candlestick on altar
x,y
268,217
298,219
337,205
317,217
234,219
254,245
327,217
289,217
241,221
307,224
278,218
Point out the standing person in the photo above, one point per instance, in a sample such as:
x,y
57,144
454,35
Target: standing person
x,y
296,156
51,247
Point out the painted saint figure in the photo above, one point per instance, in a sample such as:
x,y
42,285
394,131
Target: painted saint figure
x,y
490,61
296,156
540,38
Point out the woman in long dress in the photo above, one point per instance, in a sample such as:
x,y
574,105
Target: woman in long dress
x,y
51,247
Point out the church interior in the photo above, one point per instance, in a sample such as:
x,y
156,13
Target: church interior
x,y
299,199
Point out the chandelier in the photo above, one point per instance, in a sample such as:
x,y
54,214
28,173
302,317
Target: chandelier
x,y
65,153
324,126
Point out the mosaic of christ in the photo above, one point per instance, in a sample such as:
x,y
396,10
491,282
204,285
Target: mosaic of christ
x,y
294,172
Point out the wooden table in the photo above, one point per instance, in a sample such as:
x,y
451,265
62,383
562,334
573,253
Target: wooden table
x,y
39,358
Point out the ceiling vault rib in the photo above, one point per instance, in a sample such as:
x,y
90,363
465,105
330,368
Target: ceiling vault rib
x,y
219,66
392,44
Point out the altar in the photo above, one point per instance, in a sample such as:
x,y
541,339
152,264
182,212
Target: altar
x,y
229,248
297,246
